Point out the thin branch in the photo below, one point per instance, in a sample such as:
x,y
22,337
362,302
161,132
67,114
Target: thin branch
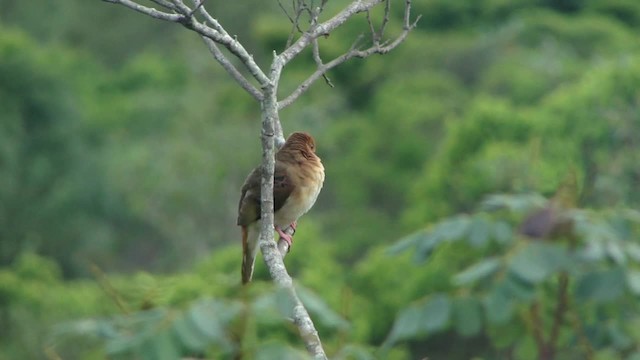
x,y
354,52
105,284
294,21
326,27
318,60
558,315
166,4
538,331
385,19
199,6
208,18
284,10
372,29
217,33
578,328
228,66
147,10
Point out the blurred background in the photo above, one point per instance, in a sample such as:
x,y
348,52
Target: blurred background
x,y
123,146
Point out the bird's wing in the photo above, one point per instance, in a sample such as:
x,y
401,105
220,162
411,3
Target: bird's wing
x,y
249,206
282,185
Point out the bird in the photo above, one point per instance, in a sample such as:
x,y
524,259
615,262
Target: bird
x,y
554,220
298,179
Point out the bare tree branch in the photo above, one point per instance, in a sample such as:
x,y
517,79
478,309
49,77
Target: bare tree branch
x,y
228,66
318,60
147,10
217,33
326,27
377,48
295,19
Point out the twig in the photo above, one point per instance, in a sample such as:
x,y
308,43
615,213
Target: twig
x,y
318,61
578,328
216,33
538,331
322,68
231,70
385,19
147,11
294,21
558,315
104,283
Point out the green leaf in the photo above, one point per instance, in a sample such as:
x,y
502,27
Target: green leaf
x,y
419,319
407,242
479,232
616,253
502,232
408,324
135,330
436,313
517,289
535,262
354,352
506,335
453,228
606,353
601,286
210,317
425,246
619,338
272,307
517,203
593,251
477,271
633,356
498,306
124,344
633,281
317,306
164,346
188,335
280,351
525,348
467,316
633,251
425,241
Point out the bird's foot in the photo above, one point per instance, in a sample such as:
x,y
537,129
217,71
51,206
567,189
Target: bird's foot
x,y
284,236
294,225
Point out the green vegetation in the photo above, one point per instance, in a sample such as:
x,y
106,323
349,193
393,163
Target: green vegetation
x,y
123,146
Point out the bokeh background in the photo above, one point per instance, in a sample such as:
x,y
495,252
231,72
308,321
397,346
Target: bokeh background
x,y
123,146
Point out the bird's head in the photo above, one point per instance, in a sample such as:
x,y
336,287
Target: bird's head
x,y
300,141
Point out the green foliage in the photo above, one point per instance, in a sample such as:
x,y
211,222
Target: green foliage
x,y
537,261
216,327
523,283
431,316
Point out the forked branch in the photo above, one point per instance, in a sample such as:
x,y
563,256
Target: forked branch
x,y
378,46
178,12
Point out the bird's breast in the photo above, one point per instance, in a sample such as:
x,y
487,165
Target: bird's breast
x,y
301,200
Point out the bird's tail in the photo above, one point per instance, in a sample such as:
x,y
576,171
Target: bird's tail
x,y
248,253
